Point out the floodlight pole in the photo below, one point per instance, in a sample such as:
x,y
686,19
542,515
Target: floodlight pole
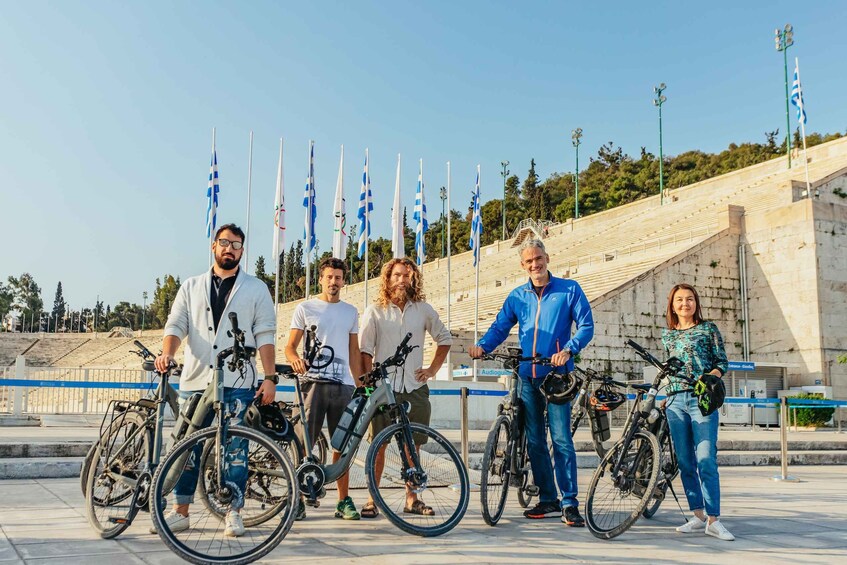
x,y
505,173
576,135
658,101
784,39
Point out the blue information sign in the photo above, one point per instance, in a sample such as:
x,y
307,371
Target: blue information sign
x,y
742,366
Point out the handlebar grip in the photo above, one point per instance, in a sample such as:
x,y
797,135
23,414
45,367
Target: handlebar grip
x,y
233,319
405,341
139,345
635,346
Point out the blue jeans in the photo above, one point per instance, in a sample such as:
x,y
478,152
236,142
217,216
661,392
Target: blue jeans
x,y
559,421
236,449
695,440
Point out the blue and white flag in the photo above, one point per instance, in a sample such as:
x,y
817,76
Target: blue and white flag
x,y
797,95
420,216
476,222
309,202
365,208
212,195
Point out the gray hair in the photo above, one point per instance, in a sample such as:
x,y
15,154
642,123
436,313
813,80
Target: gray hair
x,y
531,243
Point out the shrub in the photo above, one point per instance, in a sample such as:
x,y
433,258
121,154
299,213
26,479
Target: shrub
x,y
811,415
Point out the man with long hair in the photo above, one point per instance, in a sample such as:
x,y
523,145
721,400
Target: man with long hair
x,y
400,308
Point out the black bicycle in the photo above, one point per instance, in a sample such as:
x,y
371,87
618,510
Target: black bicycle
x,y
633,477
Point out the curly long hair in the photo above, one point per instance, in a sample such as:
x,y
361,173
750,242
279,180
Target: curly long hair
x,y
383,298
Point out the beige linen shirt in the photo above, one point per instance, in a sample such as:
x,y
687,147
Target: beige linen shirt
x,y
384,327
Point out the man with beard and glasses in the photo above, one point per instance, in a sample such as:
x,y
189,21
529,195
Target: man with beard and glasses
x,y
400,309
200,315
327,390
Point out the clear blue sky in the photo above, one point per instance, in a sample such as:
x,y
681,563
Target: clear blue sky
x,y
108,107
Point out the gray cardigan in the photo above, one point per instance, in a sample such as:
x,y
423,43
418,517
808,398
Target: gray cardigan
x,y
191,316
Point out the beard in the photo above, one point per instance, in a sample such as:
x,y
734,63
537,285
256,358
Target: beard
x,y
332,290
401,294
226,263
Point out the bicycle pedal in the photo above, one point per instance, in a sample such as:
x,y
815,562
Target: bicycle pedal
x,y
313,503
532,490
114,520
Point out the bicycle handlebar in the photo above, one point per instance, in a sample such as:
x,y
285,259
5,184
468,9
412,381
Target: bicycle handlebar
x,y
669,368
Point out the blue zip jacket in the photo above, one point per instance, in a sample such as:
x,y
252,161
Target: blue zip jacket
x,y
544,323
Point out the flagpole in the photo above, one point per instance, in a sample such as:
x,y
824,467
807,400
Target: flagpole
x,y
478,261
309,223
803,127
249,190
367,219
449,364
211,232
277,250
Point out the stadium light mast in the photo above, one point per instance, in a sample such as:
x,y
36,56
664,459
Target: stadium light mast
x,y
143,310
442,193
505,173
576,135
784,39
658,101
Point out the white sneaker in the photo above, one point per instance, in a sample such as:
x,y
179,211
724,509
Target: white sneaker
x,y
695,524
717,530
234,524
175,521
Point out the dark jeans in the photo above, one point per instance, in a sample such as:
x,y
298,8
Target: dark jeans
x,y
236,449
559,421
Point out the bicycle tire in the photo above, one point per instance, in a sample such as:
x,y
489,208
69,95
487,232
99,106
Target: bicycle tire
x,y
495,472
108,491
321,449
89,456
524,498
665,477
632,488
445,472
204,539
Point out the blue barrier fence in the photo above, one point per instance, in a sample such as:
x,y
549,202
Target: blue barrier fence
x,y
808,402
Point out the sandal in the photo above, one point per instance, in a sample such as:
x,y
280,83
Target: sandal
x,y
369,510
418,507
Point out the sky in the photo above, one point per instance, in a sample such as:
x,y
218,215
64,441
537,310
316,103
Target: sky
x,y
108,110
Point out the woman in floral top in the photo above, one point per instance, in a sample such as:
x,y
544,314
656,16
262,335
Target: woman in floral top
x,y
699,345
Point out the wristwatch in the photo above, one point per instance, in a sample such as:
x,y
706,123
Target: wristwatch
x,y
274,378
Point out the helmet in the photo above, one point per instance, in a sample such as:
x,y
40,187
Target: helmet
x,y
267,419
710,391
560,388
606,399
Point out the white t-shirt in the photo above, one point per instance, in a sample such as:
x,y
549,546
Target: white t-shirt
x,y
334,322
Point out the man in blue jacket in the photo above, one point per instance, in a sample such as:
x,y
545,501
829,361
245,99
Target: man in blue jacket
x,y
545,308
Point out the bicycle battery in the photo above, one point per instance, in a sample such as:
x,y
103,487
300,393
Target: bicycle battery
x,y
183,420
347,423
600,425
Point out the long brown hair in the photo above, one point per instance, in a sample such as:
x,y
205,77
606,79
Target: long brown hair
x,y
670,315
384,296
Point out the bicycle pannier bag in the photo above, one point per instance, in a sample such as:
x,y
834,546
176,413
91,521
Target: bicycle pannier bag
x,y
347,422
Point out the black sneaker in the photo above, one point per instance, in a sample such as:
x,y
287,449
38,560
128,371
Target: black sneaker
x,y
544,510
571,517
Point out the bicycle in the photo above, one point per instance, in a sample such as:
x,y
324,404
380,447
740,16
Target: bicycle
x,y
437,468
626,484
505,461
269,486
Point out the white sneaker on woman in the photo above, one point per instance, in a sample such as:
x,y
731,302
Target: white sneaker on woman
x,y
717,530
695,524
234,525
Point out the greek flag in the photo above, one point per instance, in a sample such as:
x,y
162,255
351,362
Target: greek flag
x,y
476,222
797,96
420,217
212,195
365,208
309,202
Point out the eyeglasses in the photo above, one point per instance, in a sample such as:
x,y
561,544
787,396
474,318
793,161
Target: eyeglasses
x,y
235,244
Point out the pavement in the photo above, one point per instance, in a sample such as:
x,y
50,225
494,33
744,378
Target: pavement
x,y
43,521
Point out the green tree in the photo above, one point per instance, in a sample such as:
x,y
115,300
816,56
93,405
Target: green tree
x,y
26,300
7,297
160,307
59,305
533,196
260,274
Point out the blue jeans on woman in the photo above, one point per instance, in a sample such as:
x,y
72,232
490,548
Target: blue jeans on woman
x,y
564,454
236,399
695,440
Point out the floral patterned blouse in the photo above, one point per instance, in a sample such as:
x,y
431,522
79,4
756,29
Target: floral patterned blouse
x,y
700,348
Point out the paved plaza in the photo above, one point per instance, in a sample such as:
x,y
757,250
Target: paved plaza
x,y
43,521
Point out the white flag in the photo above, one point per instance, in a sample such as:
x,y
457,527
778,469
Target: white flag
x,y
279,211
397,243
339,234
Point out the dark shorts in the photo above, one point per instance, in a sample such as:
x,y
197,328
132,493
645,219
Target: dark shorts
x,y
323,401
420,413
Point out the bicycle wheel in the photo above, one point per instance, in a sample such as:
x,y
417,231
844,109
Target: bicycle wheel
x,y
119,459
321,449
615,500
494,475
261,486
667,473
89,457
526,479
204,540
443,478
